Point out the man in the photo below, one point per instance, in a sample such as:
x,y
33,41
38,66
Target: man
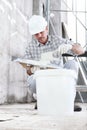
x,y
45,47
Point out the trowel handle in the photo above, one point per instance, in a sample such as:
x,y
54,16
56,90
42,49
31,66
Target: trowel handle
x,y
67,55
70,55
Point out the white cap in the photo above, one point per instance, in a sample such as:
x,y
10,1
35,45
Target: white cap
x,y
37,24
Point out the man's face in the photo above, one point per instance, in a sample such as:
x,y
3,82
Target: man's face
x,y
42,36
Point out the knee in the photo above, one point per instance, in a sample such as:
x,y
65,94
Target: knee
x,y
72,64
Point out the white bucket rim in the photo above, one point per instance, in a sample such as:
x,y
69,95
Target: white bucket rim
x,y
55,72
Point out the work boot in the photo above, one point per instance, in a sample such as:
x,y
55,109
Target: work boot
x,y
35,106
77,108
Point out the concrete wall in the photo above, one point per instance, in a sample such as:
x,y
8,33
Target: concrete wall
x,y
56,19
36,6
14,37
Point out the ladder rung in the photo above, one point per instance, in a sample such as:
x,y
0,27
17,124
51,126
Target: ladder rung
x,y
81,88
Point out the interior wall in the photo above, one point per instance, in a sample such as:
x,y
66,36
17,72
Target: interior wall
x,y
14,37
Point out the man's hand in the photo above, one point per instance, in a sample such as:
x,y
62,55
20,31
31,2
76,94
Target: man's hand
x,y
31,69
77,49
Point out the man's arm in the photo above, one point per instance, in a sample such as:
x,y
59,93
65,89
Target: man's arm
x,y
74,47
28,68
32,69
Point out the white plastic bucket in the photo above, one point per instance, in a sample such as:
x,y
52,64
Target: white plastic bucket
x,y
55,91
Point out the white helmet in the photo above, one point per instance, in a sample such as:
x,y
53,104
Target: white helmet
x,y
37,24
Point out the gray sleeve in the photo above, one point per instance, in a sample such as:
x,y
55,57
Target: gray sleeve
x,y
27,54
66,41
